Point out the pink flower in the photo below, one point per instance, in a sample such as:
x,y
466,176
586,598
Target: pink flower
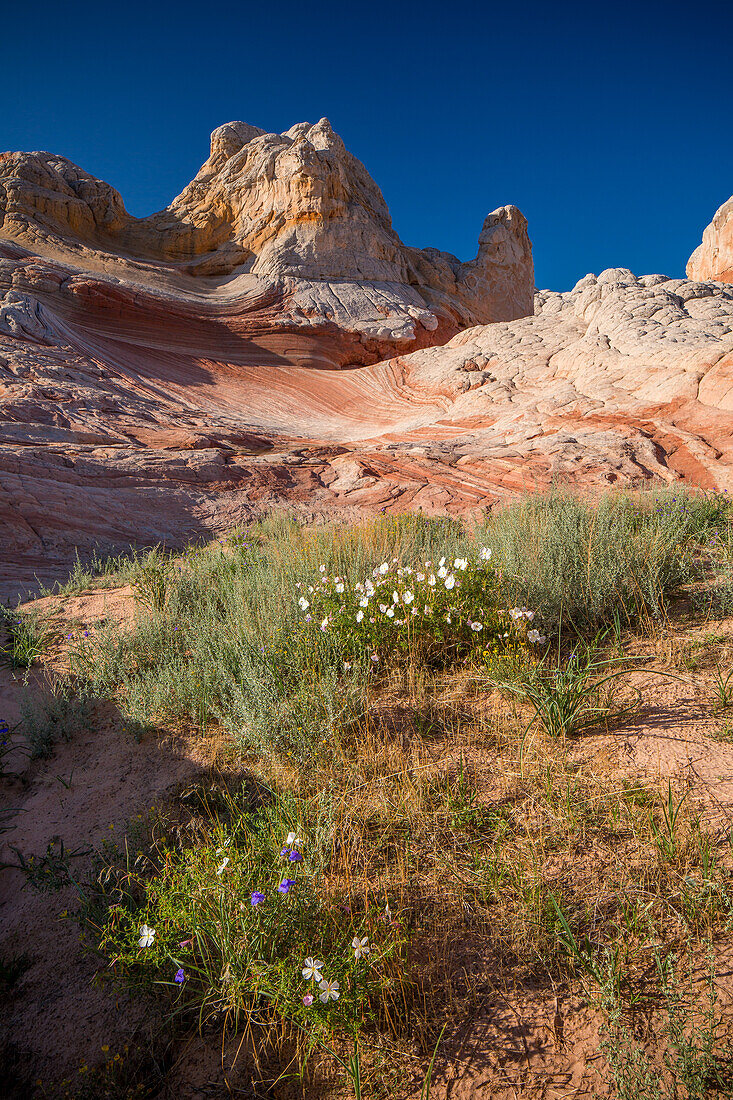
x,y
308,1000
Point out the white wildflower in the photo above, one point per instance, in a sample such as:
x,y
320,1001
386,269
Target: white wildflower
x,y
312,969
460,563
292,840
340,586
364,601
419,576
324,624
222,865
484,553
329,991
431,581
395,596
303,603
383,568
147,935
408,597
442,572
359,615
390,613
450,582
361,947
535,637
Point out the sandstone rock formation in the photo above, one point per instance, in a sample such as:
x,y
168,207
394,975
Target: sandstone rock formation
x,y
290,226
713,259
151,370
117,429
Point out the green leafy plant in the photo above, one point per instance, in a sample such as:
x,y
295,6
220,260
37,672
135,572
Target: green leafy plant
x,y
27,638
666,834
243,926
723,687
568,698
51,871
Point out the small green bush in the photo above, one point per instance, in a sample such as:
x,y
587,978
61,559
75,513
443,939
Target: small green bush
x,y
434,612
581,560
243,922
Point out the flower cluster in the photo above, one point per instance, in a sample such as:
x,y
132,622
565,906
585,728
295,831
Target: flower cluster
x,y
312,971
444,607
271,938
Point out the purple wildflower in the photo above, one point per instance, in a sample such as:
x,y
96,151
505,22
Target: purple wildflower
x,y
180,977
285,885
295,857
308,1000
257,897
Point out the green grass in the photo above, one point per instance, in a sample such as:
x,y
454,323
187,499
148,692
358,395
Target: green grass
x,y
27,638
220,639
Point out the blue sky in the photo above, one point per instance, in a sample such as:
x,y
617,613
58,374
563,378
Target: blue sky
x,y
609,125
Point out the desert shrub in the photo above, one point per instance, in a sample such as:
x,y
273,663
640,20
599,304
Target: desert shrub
x,y
50,713
219,636
581,561
434,612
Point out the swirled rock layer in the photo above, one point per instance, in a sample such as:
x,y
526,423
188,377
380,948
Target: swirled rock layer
x,y
165,379
122,426
288,227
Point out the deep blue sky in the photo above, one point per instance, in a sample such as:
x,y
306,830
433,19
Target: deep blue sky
x,y
609,124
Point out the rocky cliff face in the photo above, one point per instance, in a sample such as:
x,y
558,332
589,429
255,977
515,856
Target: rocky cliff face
x,y
293,220
713,259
